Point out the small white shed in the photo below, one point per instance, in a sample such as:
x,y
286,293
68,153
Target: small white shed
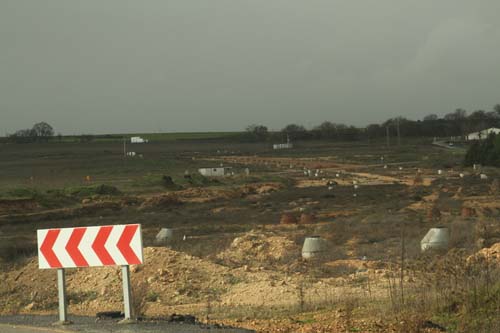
x,y
137,139
215,172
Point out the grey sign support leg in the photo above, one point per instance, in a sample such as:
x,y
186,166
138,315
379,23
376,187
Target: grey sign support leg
x,y
61,287
127,292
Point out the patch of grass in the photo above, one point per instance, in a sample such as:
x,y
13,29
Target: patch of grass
x,y
148,180
89,191
189,136
477,311
455,290
200,180
12,249
152,296
448,320
140,291
25,193
152,137
157,181
232,280
54,198
48,199
270,178
51,196
82,296
309,320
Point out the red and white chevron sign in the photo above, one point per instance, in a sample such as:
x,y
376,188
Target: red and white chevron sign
x,y
90,246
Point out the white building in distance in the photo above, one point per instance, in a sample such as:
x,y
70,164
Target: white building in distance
x,y
137,139
287,145
481,135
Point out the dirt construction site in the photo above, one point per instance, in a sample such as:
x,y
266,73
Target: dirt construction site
x,y
234,256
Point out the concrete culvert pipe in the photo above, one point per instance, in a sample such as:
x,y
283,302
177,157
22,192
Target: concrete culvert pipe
x,y
164,236
313,247
435,239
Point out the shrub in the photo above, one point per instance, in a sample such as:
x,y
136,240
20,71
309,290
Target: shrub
x,y
486,152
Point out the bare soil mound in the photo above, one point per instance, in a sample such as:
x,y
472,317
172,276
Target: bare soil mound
x,y
17,205
288,218
167,275
260,249
307,219
161,201
199,194
490,253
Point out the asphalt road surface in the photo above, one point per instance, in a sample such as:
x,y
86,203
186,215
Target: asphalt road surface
x,y
44,324
6,328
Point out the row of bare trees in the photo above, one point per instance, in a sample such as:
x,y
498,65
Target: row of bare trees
x,y
40,132
456,123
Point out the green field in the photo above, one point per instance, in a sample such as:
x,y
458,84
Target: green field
x,y
151,137
67,164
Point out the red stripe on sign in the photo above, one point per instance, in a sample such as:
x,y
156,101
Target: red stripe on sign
x,y
72,247
124,244
46,248
98,246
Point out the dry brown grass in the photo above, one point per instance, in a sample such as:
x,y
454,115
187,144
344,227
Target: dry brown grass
x,y
139,298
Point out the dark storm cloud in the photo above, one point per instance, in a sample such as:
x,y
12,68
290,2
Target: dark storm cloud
x,y
113,66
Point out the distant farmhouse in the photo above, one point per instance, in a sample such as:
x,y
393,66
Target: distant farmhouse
x,y
481,135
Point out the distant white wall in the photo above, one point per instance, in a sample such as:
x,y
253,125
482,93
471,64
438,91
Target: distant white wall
x,y
283,146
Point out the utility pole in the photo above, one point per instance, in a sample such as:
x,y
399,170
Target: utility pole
x,y
124,147
387,135
399,133
402,272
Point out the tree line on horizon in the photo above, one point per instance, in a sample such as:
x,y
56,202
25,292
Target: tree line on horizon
x,y
40,132
455,124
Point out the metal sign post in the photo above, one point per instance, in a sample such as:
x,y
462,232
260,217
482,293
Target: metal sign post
x,y
61,288
127,292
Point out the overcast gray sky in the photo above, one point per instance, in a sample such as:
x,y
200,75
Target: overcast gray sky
x,y
112,66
